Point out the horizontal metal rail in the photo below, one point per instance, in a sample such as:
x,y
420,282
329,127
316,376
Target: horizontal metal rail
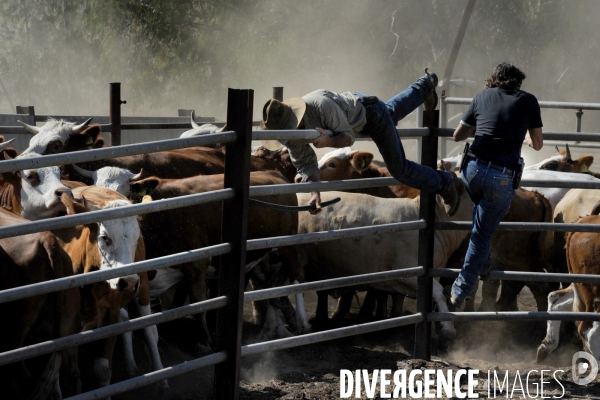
x,y
323,186
315,237
514,316
114,213
287,290
152,377
556,183
523,276
521,226
18,164
56,285
110,330
332,334
311,134
543,104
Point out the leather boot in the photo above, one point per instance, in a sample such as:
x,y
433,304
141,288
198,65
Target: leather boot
x,y
451,197
431,81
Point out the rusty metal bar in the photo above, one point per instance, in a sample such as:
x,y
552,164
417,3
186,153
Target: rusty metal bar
x,y
426,242
234,231
115,113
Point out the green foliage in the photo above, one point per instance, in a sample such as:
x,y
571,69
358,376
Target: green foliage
x,y
59,55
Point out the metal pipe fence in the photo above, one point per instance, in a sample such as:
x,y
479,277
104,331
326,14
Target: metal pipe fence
x,y
236,193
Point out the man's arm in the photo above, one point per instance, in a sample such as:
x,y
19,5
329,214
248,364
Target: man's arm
x,y
337,141
534,138
315,197
462,132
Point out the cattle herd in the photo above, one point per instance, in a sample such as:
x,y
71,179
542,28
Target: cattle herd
x,y
35,194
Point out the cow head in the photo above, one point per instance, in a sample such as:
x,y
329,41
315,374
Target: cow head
x,y
564,163
343,163
59,136
114,242
34,193
142,188
115,178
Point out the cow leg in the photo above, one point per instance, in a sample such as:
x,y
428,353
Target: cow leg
x,y
127,339
273,327
322,313
381,312
397,304
489,293
289,313
369,304
559,300
344,304
508,295
301,317
151,339
448,333
540,291
195,280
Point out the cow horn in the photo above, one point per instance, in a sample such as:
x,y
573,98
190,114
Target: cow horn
x,y
30,128
223,129
4,145
568,154
557,149
6,156
193,117
78,128
83,172
138,176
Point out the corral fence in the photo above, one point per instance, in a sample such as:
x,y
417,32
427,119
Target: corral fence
x,y
230,297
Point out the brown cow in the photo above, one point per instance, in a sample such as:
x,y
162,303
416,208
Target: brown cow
x,y
25,260
173,231
110,244
582,258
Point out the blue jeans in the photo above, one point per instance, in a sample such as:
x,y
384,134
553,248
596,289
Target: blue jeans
x,y
491,191
382,119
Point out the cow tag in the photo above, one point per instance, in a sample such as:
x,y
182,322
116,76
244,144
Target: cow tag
x,y
584,168
89,141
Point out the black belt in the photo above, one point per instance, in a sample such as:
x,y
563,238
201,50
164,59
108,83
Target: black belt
x,y
508,171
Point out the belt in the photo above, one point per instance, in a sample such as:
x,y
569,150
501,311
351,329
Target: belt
x,y
504,170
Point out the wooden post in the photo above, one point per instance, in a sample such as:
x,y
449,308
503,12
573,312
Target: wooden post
x,y
115,113
234,230
426,241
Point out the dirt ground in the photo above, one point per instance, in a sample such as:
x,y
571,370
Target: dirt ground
x,y
313,372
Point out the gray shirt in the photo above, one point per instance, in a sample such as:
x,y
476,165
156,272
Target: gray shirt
x,y
342,113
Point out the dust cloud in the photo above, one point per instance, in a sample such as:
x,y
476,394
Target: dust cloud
x,y
373,47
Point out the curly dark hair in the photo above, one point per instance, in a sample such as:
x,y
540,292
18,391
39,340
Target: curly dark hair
x,y
505,76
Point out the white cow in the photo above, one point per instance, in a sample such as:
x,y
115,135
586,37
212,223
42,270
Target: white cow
x,y
199,130
554,195
33,193
376,253
58,136
115,178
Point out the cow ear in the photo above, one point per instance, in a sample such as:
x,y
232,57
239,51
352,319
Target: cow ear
x,y
586,162
361,160
144,186
92,131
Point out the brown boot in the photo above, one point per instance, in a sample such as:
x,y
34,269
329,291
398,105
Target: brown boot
x,y
452,196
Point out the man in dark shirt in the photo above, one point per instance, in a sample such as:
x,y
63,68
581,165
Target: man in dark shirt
x,y
502,116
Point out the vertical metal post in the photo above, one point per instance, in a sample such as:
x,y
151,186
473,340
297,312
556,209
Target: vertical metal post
x,y
278,92
115,113
426,241
419,146
578,114
234,230
443,123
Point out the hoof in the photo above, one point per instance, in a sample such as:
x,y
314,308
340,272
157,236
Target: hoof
x,y
542,353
